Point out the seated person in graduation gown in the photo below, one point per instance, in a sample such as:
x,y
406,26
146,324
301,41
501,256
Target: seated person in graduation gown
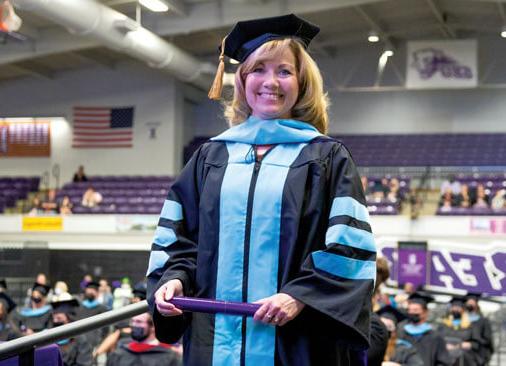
x,y
144,349
417,331
122,329
89,307
482,326
462,340
8,331
35,317
75,351
399,351
379,332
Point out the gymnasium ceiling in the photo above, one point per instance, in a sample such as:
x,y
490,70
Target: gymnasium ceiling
x,y
44,49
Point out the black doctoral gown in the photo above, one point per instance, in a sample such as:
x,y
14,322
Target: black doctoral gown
x,y
8,330
34,319
238,229
484,336
406,354
457,334
77,352
88,309
135,354
429,344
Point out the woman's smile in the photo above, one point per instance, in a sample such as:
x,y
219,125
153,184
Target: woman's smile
x,y
272,87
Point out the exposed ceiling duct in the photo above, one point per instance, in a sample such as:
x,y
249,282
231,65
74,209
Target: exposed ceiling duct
x,y
115,30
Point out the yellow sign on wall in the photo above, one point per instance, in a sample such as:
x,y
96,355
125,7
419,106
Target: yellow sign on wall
x,y
49,223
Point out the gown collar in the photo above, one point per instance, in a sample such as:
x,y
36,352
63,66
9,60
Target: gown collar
x,y
417,329
473,317
257,131
90,304
29,312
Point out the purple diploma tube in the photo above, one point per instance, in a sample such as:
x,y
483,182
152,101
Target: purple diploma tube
x,y
214,306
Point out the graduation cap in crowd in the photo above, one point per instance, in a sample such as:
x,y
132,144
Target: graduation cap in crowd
x,y
421,298
9,304
92,284
140,291
3,284
248,35
459,301
473,295
43,289
392,313
65,306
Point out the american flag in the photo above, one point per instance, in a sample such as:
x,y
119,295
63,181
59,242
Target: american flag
x,y
102,127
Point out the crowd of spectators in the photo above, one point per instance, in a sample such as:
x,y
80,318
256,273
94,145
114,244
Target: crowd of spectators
x,y
459,195
130,342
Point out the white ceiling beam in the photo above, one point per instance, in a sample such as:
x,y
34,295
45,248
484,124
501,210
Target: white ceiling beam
x,y
103,61
33,69
201,16
445,29
384,37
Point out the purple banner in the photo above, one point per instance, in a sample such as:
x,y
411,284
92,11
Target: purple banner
x,y
452,269
412,266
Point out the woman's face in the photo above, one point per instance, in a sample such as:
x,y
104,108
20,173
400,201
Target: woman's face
x,y
272,87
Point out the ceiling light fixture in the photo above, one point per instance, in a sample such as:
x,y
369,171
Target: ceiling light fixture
x,y
155,5
388,53
503,32
373,37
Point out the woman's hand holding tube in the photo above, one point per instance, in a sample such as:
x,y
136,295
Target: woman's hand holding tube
x,y
278,309
163,296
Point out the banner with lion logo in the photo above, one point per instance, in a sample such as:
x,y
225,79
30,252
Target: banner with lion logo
x,y
441,64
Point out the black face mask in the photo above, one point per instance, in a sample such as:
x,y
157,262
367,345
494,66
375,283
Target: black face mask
x,y
58,324
470,308
456,315
89,297
138,334
37,300
414,318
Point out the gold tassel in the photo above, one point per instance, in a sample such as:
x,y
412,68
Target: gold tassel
x,y
215,91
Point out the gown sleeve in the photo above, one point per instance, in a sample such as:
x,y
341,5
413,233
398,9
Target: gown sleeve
x,y
337,279
174,248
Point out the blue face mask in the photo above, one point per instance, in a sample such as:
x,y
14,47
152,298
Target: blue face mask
x,y
63,342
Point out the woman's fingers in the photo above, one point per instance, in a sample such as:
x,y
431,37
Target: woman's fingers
x,y
163,296
261,313
278,309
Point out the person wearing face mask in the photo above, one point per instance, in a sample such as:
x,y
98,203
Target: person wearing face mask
x,y
8,330
462,340
75,351
36,316
91,306
399,352
121,329
144,349
482,326
270,211
417,331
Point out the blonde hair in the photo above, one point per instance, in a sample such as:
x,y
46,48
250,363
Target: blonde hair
x,y
312,102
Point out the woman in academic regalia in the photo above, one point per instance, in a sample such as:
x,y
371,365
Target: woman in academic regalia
x,y
8,330
270,211
36,317
75,351
461,337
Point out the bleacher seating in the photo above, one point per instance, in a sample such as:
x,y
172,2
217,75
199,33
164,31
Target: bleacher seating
x,y
121,194
416,149
13,189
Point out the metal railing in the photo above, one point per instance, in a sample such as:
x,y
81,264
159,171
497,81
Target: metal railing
x,y
24,347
